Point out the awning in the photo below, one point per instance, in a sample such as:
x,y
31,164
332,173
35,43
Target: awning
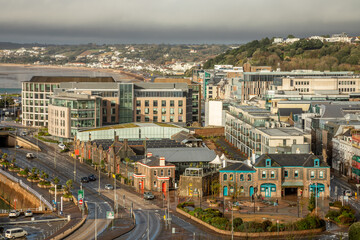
x,y
293,184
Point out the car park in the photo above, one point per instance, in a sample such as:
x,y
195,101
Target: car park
x,y
109,187
30,155
148,196
15,233
28,213
92,177
14,213
84,179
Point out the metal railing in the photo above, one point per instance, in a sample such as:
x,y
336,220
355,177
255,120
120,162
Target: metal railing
x,y
29,189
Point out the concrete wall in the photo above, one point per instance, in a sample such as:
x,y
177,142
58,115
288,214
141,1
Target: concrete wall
x,y
11,190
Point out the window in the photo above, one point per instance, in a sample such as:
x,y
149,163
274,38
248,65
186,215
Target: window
x,y
155,111
296,173
286,173
294,141
321,174
138,103
241,177
146,103
162,172
163,111
172,111
180,111
154,183
163,103
112,118
154,172
284,142
147,119
155,103
113,103
272,175
180,103
231,177
241,189
249,177
225,177
147,111
138,110
231,189
263,175
155,118
169,172
312,174
113,111
316,162
163,118
171,118
138,118
172,104
268,162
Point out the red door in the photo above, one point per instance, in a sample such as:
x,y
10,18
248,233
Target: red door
x,y
164,186
142,185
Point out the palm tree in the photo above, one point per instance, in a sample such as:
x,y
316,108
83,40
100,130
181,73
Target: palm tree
x,y
69,186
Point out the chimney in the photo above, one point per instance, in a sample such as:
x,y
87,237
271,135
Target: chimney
x,y
162,161
149,154
253,157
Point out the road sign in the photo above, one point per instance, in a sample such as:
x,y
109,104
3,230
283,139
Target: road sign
x,y
80,201
110,215
80,194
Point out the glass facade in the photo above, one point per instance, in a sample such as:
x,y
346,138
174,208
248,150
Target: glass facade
x,y
126,103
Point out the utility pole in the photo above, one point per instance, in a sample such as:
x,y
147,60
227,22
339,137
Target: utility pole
x,y
74,169
99,171
55,157
148,225
95,220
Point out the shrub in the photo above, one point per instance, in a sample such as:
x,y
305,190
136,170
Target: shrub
x,y
220,222
354,231
332,214
302,224
311,205
266,224
237,222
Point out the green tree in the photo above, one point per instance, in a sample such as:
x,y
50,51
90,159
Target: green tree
x,y
354,231
56,180
215,187
311,205
69,186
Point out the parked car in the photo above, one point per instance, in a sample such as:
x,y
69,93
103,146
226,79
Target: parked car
x,y
348,193
84,180
148,196
23,133
14,213
109,187
18,147
62,146
92,177
30,155
15,233
28,213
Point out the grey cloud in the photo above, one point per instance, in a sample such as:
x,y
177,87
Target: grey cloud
x,y
172,21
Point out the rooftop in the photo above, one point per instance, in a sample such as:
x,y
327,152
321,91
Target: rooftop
x,y
284,131
131,125
58,79
290,160
184,154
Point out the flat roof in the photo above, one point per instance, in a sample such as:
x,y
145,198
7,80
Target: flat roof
x,y
130,125
58,79
281,131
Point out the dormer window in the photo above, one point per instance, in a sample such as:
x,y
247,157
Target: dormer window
x,y
268,163
316,163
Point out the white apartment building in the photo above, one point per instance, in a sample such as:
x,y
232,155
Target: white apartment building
x,y
214,113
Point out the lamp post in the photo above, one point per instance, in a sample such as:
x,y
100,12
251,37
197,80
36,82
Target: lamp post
x,y
95,221
99,166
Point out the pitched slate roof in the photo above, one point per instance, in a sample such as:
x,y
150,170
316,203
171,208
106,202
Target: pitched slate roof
x,y
290,160
154,161
288,111
184,154
238,167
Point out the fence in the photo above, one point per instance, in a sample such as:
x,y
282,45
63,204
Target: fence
x,y
29,189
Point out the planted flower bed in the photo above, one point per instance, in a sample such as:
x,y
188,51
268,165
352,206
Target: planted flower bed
x,y
44,184
216,219
344,216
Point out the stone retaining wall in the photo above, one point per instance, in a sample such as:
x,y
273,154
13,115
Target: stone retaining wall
x,y
252,235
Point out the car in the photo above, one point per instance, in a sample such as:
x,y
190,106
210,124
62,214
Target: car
x,y
84,180
18,147
148,196
30,155
348,193
14,213
15,233
109,187
28,213
23,133
62,146
92,177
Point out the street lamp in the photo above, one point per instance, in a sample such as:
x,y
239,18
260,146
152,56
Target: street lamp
x,y
232,220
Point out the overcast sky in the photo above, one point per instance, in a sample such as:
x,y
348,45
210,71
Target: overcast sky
x,y
172,21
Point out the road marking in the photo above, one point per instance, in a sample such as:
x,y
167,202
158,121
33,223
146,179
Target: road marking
x,y
143,235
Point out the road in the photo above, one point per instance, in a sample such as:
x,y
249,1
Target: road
x,y
62,167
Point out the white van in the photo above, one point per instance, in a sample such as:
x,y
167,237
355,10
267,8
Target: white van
x,y
30,155
15,233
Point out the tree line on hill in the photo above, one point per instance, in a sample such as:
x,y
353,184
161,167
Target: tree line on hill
x,y
303,54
